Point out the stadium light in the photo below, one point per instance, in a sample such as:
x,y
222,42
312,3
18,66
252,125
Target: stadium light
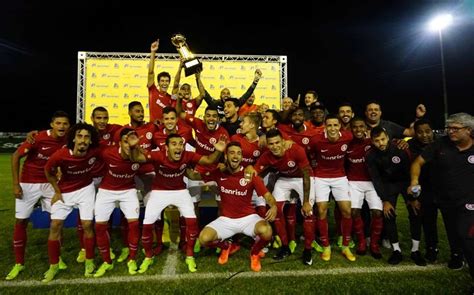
x,y
439,23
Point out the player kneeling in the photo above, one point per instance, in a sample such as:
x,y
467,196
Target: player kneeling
x,y
237,213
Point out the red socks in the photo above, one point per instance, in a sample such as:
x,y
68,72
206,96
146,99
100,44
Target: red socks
x,y
133,237
103,241
19,242
54,251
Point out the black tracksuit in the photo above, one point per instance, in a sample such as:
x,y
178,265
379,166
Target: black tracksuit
x,y
429,210
390,173
454,186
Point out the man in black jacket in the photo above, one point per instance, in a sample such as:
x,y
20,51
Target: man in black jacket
x,y
426,200
225,94
452,157
389,169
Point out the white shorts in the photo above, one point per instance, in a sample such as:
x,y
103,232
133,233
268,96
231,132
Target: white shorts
x,y
160,199
284,186
97,181
361,190
32,192
258,201
339,186
227,227
82,198
106,199
194,188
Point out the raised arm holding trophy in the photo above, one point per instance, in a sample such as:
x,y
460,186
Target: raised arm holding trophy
x,y
191,63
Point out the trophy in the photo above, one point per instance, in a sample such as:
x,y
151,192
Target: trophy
x,y
190,62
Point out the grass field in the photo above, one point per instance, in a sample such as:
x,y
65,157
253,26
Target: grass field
x,y
169,273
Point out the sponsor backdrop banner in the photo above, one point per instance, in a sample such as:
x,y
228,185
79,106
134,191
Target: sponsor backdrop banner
x,y
113,83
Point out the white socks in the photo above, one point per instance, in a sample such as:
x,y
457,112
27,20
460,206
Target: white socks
x,y
415,245
396,247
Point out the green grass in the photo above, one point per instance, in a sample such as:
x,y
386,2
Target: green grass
x,y
232,278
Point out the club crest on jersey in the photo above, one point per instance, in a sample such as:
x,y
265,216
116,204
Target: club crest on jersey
x,y
182,167
470,207
291,164
91,160
149,135
305,140
344,147
470,159
243,182
106,136
256,153
189,105
212,140
135,166
395,160
367,148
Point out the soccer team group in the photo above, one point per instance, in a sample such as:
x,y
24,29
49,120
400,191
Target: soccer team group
x,y
262,163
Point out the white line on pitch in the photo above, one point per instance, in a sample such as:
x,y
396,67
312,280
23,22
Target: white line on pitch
x,y
223,275
171,261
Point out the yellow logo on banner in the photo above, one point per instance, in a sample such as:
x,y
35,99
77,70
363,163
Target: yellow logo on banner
x,y
114,83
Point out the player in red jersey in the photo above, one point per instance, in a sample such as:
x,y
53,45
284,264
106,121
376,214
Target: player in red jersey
x,y
158,98
32,185
294,170
172,125
237,213
74,189
189,104
361,187
252,147
169,189
207,132
300,132
329,150
100,120
318,114
118,185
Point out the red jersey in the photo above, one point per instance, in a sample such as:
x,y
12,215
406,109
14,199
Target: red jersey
x,y
236,192
75,171
38,154
250,150
189,106
301,138
169,174
319,129
119,173
291,164
145,134
182,129
356,167
329,155
157,101
205,139
107,136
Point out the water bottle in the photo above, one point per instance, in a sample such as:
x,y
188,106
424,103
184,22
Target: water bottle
x,y
416,191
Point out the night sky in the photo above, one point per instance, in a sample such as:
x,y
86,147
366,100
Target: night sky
x,y
346,53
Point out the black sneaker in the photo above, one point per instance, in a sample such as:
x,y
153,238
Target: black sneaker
x,y
282,253
456,262
431,254
416,257
395,258
307,257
